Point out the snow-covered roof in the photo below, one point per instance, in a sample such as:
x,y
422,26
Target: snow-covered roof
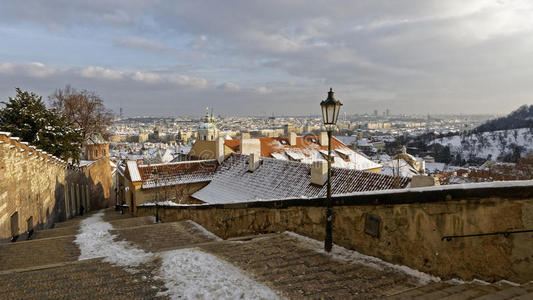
x,y
278,179
347,140
177,173
278,156
391,168
133,171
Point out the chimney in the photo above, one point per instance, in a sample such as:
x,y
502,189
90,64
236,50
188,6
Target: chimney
x,y
245,136
319,172
422,167
422,181
323,138
220,150
249,146
253,162
292,138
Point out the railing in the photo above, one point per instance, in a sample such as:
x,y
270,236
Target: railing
x,y
504,233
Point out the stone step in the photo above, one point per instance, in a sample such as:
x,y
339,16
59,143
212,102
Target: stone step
x,y
89,279
284,264
132,222
163,236
505,291
446,292
478,291
474,290
110,214
72,222
421,291
55,232
38,252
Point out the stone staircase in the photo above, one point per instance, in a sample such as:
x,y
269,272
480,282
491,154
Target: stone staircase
x,y
47,267
471,290
88,279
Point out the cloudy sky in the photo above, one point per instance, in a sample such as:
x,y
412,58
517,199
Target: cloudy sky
x,y
250,57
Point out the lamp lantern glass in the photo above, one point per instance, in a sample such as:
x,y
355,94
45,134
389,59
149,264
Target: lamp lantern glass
x,y
330,110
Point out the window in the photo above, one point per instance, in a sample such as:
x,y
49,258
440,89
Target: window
x,y
95,153
103,152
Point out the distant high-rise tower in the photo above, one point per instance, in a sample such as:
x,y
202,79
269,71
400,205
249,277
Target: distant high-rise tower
x,y
388,112
375,112
120,113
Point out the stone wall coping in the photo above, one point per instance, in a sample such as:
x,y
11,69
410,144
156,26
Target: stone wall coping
x,y
22,146
506,190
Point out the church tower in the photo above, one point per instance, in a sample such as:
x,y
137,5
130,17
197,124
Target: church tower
x,y
208,131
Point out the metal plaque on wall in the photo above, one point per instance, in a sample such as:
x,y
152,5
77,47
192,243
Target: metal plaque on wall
x,y
372,225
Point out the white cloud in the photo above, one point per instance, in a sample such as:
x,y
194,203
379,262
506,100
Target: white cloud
x,y
31,69
145,77
37,69
6,67
184,80
229,86
100,73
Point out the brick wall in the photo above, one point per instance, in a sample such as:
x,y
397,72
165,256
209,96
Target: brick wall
x,y
411,226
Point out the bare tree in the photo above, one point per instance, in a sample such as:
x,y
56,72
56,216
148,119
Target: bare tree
x,y
83,109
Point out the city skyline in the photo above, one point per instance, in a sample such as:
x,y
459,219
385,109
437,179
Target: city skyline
x,y
160,59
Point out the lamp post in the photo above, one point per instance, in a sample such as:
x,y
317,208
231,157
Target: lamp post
x,y
155,173
330,113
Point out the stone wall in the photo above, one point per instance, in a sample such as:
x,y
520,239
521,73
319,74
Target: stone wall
x,y
100,182
180,193
411,226
38,189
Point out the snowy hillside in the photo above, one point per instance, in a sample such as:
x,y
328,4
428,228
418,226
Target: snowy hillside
x,y
491,145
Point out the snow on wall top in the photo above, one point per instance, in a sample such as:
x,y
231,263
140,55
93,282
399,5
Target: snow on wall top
x,y
276,179
24,146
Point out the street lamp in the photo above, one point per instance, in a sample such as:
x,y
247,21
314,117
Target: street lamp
x,y
155,174
330,113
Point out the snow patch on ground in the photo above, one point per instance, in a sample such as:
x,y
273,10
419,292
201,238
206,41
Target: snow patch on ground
x,y
187,273
193,274
204,231
343,254
95,240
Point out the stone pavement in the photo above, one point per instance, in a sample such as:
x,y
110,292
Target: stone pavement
x,y
48,267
